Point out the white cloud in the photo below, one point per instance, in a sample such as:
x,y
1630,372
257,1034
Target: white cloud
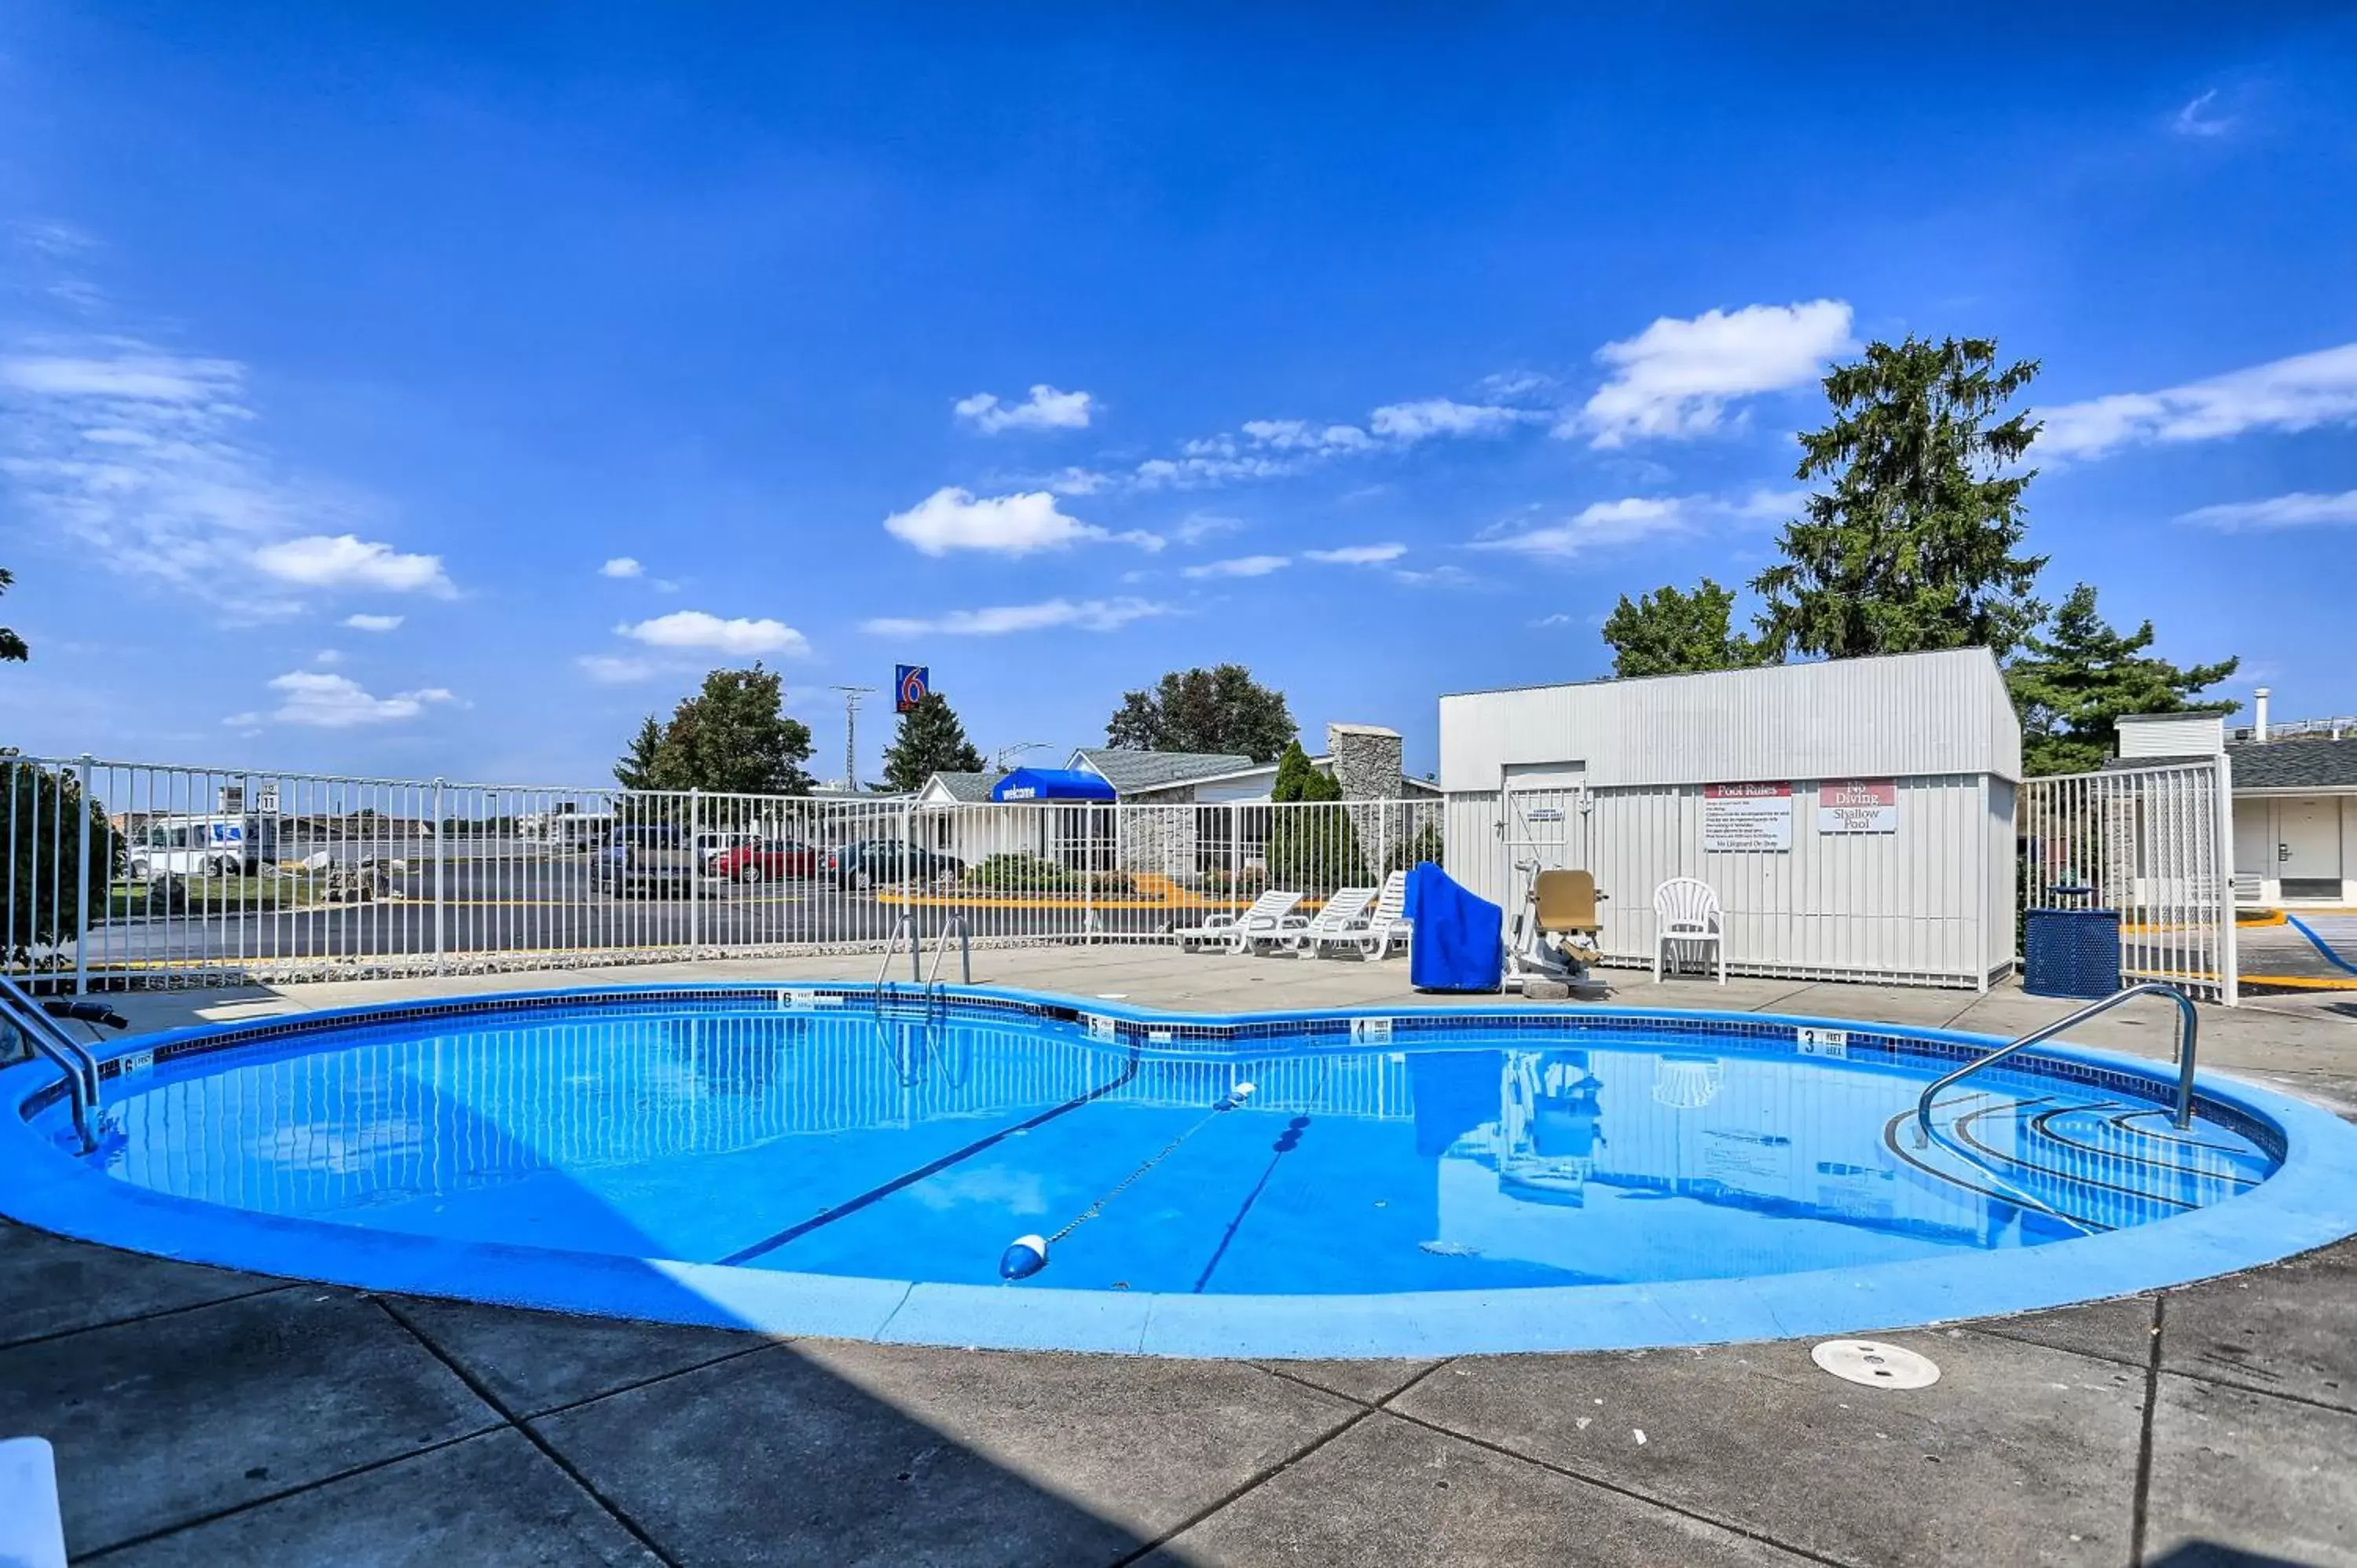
x,y
707,633
374,623
1357,555
1558,618
1046,409
342,561
955,518
2195,119
1599,526
328,656
144,459
1241,566
1516,383
2297,393
1606,524
1203,469
622,567
1413,422
617,669
1075,481
1675,378
339,702
1297,435
1197,526
2301,509
1086,614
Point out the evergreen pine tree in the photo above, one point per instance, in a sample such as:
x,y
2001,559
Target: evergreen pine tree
x,y
2078,676
930,740
1914,545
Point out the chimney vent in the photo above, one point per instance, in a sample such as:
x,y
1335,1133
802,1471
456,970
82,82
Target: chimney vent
x,y
2259,715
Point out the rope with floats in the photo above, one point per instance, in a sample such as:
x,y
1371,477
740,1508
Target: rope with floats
x,y
1027,1255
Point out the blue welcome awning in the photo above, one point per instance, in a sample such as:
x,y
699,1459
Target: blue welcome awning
x,y
1051,784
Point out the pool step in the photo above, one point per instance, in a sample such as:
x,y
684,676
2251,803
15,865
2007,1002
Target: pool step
x,y
2095,1164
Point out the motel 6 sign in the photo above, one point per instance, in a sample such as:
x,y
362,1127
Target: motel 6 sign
x,y
909,684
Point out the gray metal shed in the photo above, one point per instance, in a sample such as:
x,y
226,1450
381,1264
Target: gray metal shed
x,y
1855,817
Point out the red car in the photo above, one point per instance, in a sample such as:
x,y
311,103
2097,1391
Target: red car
x,y
768,861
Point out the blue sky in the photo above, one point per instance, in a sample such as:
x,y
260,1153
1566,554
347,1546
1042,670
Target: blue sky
x,y
420,390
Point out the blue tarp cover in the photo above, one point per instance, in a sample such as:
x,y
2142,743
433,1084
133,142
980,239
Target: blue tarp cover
x,y
1457,944
1050,784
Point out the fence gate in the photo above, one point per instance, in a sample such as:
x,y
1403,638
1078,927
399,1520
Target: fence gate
x,y
2155,844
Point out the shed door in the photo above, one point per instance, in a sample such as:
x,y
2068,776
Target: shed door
x,y
1543,826
2308,840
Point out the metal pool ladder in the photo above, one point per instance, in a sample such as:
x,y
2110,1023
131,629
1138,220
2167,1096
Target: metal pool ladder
x,y
68,1055
2189,1031
927,980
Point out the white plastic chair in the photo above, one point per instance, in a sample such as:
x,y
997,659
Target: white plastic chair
x,y
1686,910
1346,909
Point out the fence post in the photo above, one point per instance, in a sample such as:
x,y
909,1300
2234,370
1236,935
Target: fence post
x,y
441,895
694,872
81,879
2229,964
908,889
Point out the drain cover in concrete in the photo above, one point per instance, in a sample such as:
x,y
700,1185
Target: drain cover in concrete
x,y
1875,1365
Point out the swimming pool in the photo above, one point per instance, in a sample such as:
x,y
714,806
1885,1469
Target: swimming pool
x,y
805,1160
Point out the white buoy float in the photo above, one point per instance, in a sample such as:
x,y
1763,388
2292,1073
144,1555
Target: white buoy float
x,y
1027,1255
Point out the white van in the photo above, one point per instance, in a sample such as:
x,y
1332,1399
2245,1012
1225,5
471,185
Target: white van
x,y
204,846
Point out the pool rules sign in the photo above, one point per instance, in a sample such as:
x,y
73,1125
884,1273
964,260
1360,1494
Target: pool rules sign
x,y
1746,817
1857,806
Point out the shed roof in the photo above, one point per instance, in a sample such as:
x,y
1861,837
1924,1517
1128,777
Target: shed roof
x,y
1902,715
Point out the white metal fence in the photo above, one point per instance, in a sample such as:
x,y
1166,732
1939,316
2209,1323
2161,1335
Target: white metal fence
x,y
2154,844
148,874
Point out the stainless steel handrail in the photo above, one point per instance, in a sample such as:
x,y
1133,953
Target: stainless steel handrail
x,y
891,946
65,1053
2189,1032
941,950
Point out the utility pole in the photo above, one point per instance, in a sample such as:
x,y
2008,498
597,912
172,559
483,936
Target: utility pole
x,y
1008,753
851,696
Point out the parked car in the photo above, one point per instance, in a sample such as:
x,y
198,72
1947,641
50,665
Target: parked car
x,y
711,845
872,861
647,859
767,861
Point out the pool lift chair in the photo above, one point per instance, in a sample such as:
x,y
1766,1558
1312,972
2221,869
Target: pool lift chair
x,y
1556,926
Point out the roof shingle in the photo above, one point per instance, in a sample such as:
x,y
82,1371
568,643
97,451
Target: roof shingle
x,y
1132,771
2296,765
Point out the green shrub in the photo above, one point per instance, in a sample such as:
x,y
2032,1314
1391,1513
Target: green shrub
x,y
45,819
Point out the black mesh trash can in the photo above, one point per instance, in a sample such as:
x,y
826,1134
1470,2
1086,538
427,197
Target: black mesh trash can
x,y
2071,952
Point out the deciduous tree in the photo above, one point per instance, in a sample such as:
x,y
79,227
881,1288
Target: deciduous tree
x,y
1218,710
732,737
1668,633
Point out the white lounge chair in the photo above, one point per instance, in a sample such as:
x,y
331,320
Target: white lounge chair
x,y
1333,923
1686,910
1386,924
1270,916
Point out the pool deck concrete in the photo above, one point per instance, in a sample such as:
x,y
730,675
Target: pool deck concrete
x,y
207,1417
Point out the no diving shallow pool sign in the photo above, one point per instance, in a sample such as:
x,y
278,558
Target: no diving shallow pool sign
x,y
1857,806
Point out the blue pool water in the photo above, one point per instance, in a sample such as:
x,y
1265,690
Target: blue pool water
x,y
916,1146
